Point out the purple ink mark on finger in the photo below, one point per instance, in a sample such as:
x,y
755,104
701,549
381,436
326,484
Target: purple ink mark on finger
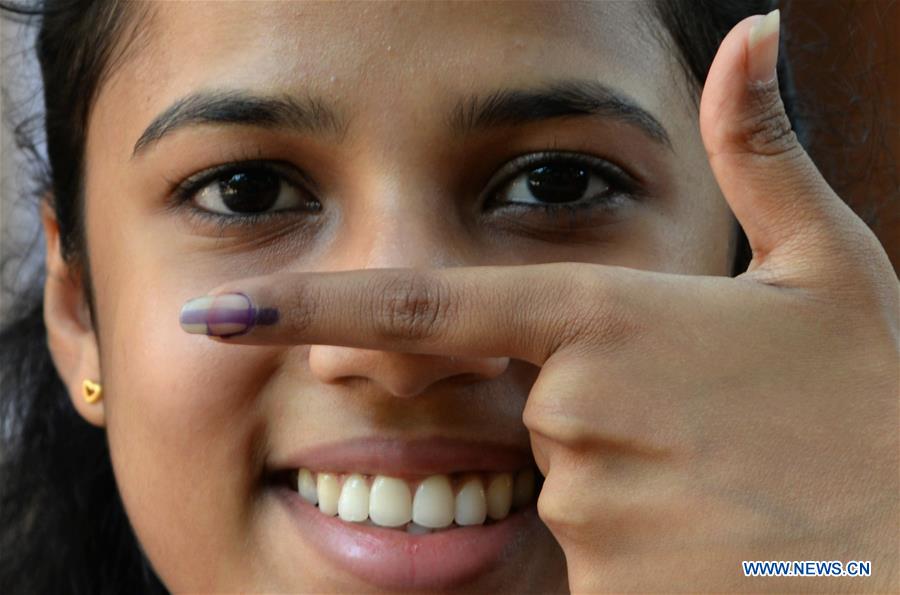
x,y
225,315
250,316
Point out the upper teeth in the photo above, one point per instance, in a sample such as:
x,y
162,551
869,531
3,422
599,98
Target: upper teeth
x,y
430,503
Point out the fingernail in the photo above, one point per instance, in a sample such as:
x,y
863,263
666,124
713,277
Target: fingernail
x,y
224,315
762,48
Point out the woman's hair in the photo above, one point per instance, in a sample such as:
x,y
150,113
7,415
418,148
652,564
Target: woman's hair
x,y
63,527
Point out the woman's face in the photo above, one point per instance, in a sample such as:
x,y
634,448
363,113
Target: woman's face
x,y
394,137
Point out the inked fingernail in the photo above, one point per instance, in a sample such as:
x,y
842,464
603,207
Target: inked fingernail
x,y
224,315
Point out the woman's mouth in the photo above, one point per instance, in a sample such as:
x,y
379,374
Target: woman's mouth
x,y
400,515
415,505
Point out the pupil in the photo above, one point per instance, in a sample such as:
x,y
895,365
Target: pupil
x,y
251,191
558,183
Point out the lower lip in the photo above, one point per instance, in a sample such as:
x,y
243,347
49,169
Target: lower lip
x,y
392,559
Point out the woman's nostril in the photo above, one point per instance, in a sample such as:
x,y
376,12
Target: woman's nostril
x,y
401,375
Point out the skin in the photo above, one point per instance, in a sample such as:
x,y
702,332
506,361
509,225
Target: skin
x,y
712,408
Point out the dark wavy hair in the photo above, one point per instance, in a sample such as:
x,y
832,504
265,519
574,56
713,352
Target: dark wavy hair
x,y
63,528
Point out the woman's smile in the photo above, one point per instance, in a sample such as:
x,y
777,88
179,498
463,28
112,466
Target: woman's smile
x,y
427,513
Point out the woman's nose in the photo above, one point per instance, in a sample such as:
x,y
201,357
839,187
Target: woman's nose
x,y
398,374
411,237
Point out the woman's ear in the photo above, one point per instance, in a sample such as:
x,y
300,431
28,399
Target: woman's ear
x,y
70,334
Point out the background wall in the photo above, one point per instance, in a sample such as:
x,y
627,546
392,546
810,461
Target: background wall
x,y
845,62
845,55
20,99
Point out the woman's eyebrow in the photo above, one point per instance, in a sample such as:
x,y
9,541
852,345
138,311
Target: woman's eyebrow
x,y
566,98
308,114
504,107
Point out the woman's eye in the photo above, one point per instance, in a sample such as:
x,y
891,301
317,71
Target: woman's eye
x,y
248,191
555,183
562,181
244,193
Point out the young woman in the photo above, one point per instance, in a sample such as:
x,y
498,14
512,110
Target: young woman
x,y
444,298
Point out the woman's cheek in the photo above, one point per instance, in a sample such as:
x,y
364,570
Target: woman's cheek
x,y
183,420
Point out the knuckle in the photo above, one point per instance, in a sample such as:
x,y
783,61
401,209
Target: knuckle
x,y
559,505
410,306
302,309
557,513
553,417
767,130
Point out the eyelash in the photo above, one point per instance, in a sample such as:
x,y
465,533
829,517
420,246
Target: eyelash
x,y
186,190
621,185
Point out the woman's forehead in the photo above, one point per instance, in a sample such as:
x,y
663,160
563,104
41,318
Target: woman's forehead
x,y
375,60
366,25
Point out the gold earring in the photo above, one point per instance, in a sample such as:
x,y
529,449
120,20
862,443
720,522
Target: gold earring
x,y
92,391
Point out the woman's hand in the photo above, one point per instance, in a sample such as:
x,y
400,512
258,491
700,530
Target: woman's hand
x,y
683,423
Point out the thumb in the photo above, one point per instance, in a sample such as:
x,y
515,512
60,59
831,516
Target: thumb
x,y
774,189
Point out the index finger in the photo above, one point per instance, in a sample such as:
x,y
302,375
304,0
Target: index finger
x,y
527,312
